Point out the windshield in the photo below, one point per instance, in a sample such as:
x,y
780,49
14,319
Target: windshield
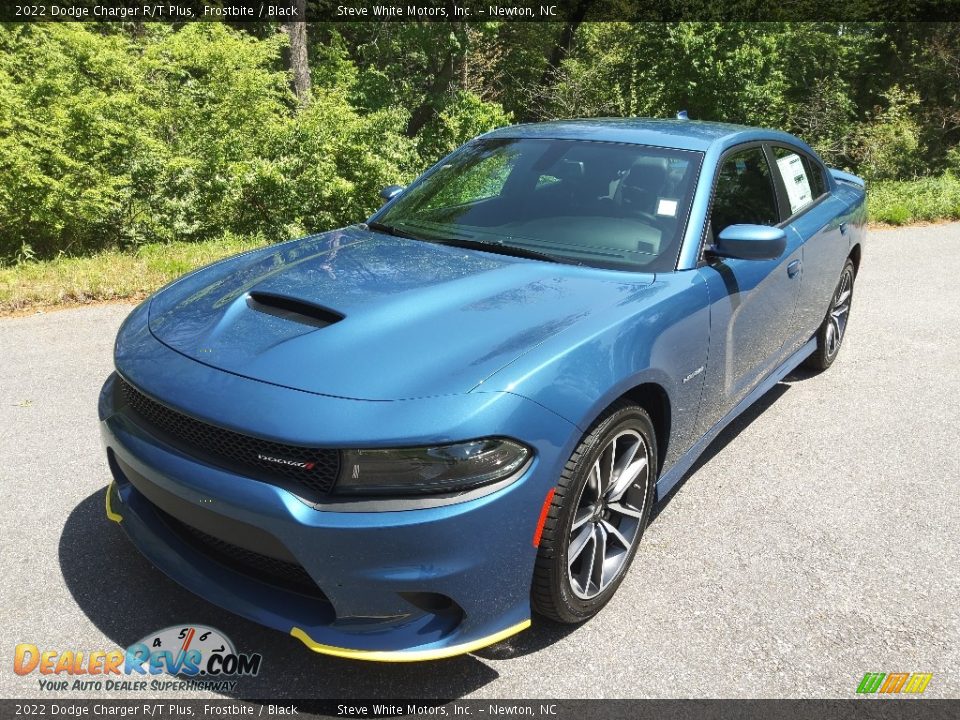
x,y
594,203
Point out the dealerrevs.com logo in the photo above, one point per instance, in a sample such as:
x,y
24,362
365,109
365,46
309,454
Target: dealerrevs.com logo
x,y
201,658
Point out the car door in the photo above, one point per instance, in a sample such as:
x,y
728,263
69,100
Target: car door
x,y
813,217
752,302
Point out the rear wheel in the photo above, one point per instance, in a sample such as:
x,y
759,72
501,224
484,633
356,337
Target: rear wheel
x,y
600,509
834,326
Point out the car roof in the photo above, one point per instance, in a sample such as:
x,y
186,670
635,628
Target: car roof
x,y
681,134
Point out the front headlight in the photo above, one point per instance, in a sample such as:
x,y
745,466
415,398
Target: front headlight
x,y
440,469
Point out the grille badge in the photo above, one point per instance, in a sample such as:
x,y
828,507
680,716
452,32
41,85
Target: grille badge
x,y
285,461
310,473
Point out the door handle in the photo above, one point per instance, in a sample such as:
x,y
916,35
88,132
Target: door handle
x,y
793,268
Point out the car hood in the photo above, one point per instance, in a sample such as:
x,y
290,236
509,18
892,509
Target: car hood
x,y
357,314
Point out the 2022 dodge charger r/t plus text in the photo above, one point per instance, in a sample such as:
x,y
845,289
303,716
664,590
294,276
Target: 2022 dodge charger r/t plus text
x,y
398,439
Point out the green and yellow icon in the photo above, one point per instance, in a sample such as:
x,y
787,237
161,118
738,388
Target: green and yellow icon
x,y
890,683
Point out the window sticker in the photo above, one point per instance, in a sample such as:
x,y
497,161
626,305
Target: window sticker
x,y
667,207
795,178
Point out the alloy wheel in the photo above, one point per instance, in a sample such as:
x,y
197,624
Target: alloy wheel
x,y
608,515
839,313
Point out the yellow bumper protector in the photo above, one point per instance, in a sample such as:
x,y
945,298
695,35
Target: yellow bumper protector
x,y
407,655
111,515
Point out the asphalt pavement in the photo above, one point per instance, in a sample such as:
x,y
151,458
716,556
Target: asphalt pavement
x,y
818,538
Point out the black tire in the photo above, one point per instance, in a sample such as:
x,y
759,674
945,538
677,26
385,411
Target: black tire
x,y
556,593
833,329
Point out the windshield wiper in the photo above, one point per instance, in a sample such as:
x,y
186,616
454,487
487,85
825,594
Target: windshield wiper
x,y
391,230
494,247
502,249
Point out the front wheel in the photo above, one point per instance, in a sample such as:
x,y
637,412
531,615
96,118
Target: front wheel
x,y
600,509
834,326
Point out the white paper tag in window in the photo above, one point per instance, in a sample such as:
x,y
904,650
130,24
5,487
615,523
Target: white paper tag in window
x,y
667,208
796,182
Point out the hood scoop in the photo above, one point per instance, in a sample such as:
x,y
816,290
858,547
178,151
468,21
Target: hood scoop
x,y
418,319
293,309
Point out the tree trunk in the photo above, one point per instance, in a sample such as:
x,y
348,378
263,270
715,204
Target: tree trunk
x,y
564,44
421,116
298,60
455,61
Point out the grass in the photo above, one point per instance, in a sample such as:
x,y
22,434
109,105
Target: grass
x,y
130,275
111,275
902,202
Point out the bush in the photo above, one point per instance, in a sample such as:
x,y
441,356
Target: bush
x,y
464,117
953,159
895,214
107,142
824,118
219,102
907,201
331,168
71,133
887,146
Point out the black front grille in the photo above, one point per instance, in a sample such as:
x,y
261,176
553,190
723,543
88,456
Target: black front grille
x,y
238,452
281,573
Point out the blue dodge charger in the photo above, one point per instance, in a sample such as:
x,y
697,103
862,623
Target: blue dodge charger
x,y
397,440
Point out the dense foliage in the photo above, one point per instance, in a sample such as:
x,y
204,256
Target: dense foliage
x,y
108,139
116,135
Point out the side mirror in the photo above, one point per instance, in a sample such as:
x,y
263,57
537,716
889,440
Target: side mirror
x,y
750,242
390,192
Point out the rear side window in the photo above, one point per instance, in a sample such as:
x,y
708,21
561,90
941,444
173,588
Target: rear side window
x,y
745,193
802,178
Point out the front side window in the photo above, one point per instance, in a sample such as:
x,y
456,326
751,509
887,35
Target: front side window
x,y
745,193
593,203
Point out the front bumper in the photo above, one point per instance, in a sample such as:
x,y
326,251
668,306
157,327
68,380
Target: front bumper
x,y
404,585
